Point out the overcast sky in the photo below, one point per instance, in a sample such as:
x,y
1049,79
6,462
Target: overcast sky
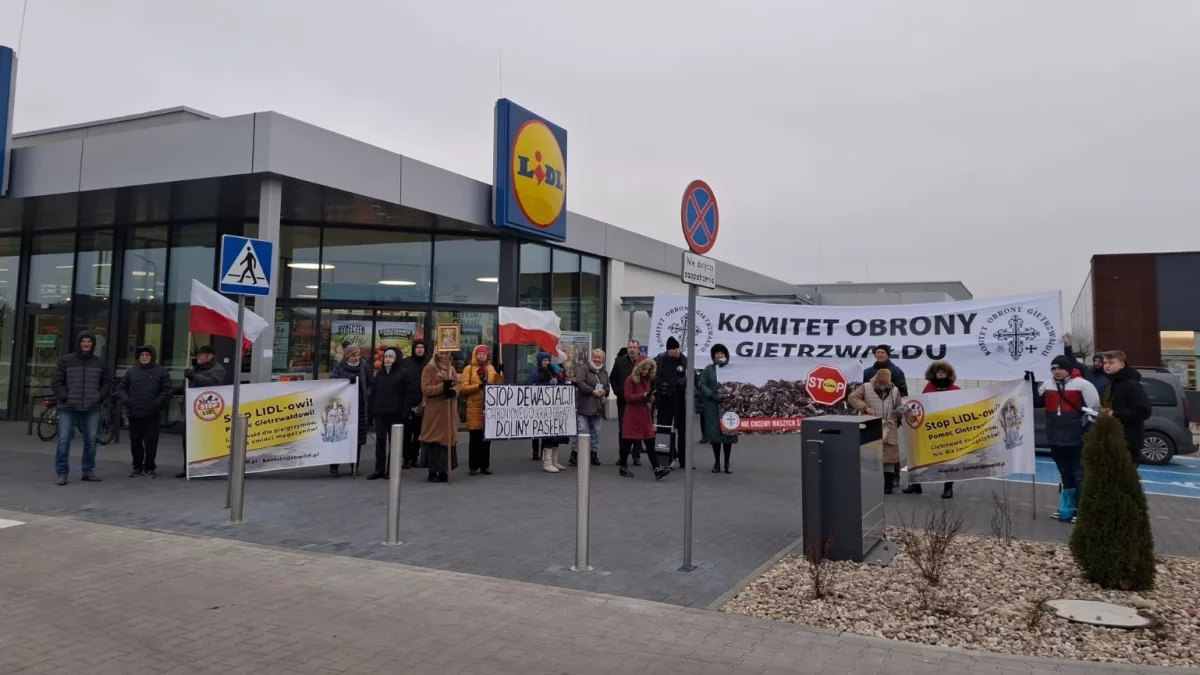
x,y
997,143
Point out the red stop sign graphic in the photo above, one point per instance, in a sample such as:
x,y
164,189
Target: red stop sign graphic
x,y
826,385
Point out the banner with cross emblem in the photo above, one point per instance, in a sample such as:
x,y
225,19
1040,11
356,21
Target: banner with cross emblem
x,y
993,339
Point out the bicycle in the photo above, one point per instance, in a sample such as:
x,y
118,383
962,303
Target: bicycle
x,y
47,426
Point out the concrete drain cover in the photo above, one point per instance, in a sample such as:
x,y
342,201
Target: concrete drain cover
x,y
1099,613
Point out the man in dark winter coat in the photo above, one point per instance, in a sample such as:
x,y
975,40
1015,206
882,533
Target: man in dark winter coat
x,y
81,382
1126,400
672,390
389,407
883,359
1093,373
205,372
145,390
622,368
412,366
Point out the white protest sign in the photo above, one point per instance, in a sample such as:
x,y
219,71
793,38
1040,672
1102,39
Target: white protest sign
x,y
528,411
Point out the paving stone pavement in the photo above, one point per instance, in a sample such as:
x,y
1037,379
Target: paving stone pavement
x,y
82,598
519,523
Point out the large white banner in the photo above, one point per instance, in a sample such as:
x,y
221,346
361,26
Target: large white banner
x,y
979,432
994,339
292,424
528,411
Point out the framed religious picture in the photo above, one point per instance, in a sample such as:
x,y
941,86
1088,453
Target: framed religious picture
x,y
449,337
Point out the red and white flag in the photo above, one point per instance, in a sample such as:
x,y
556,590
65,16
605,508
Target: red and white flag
x,y
216,314
521,326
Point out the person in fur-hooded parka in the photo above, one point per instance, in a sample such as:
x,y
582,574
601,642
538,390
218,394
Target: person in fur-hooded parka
x,y
939,376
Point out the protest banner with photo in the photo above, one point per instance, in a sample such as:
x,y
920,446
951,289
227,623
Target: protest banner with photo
x,y
768,397
292,425
995,339
528,411
981,432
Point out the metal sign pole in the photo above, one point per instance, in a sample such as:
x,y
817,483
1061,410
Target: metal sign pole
x,y
237,467
687,452
583,500
393,514
237,386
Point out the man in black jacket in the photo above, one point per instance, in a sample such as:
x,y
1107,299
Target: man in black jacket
x,y
413,365
883,360
145,390
1126,400
81,382
672,390
622,368
205,372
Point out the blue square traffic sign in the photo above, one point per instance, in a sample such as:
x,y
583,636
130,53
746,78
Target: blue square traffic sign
x,y
246,266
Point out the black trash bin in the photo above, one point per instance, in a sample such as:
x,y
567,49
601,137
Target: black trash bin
x,y
842,480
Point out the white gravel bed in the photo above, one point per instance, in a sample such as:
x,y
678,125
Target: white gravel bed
x,y
986,602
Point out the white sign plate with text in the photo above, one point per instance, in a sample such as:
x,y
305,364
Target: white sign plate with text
x,y
699,271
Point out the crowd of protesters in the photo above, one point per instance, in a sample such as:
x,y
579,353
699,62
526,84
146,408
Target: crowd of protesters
x,y
423,395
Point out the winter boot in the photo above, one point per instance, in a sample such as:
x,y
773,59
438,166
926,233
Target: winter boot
x,y
595,458
574,461
548,462
912,489
889,482
554,459
948,491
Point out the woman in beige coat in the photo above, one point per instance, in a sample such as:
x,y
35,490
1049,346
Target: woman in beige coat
x,y
439,426
879,398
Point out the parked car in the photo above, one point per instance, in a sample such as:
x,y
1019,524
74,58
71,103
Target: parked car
x,y
1168,431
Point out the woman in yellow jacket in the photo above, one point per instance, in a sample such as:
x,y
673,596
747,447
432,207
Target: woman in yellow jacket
x,y
477,374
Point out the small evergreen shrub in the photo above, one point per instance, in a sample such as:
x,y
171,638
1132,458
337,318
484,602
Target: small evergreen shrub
x,y
1112,541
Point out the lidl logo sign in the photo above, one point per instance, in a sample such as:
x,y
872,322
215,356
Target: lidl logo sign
x,y
530,181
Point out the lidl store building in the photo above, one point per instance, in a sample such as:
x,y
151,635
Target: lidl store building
x,y
105,224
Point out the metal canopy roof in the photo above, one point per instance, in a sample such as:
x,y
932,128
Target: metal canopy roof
x,y
645,303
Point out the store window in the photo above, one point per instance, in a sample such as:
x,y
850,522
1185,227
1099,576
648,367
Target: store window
x,y
565,270
466,270
51,269
475,328
10,268
375,266
373,332
1180,351
192,256
143,292
534,282
591,299
93,285
299,260
295,348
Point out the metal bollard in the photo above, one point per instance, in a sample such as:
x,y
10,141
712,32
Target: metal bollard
x,y
237,468
583,500
393,514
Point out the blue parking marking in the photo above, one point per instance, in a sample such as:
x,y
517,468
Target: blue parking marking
x,y
1180,478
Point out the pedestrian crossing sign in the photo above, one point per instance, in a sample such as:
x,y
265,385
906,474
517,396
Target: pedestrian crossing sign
x,y
246,265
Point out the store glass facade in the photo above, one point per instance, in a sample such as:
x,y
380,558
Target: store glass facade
x,y
120,263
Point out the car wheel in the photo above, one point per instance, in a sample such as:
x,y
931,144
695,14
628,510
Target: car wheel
x,y
1157,448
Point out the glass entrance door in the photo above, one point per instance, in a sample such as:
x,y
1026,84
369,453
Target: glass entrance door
x,y
47,339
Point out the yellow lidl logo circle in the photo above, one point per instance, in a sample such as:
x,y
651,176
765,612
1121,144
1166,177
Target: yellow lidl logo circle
x,y
538,173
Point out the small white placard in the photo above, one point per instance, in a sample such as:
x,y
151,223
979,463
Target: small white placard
x,y
699,271
268,353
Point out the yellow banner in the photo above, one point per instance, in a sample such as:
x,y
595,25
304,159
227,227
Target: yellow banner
x,y
949,434
291,425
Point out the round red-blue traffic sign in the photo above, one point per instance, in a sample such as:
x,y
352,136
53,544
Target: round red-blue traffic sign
x,y
700,217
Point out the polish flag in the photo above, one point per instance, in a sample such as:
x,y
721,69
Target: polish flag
x,y
216,314
521,326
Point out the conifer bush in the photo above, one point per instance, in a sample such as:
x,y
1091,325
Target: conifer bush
x,y
1112,542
